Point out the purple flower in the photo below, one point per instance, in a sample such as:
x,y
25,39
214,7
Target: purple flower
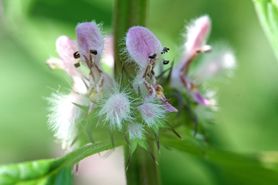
x,y
66,48
196,38
142,45
90,42
152,112
145,49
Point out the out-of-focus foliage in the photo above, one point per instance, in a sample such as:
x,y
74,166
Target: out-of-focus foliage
x,y
43,172
228,167
47,172
267,11
247,119
227,164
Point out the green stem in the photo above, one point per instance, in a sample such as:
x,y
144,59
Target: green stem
x,y
85,151
127,13
142,168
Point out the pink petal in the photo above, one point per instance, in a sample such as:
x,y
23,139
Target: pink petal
x,y
169,108
65,48
108,52
142,43
89,38
197,34
199,98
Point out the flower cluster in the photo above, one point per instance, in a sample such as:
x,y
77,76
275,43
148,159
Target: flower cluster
x,y
138,108
141,106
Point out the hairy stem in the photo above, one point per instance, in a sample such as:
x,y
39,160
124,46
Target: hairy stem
x,y
127,13
141,166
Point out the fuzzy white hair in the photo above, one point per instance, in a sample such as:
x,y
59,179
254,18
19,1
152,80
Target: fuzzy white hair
x,y
135,131
152,113
116,109
63,116
197,33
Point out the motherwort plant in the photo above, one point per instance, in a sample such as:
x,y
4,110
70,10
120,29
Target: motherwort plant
x,y
126,91
134,112
138,108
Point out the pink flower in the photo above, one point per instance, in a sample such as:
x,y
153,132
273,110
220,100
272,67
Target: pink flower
x,y
152,112
142,45
90,41
196,38
195,42
144,48
66,48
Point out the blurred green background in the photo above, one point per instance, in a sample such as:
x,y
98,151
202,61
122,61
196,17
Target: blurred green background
x,y
247,119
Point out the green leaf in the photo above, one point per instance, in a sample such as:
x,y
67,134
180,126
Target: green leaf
x,y
235,168
267,11
47,172
35,172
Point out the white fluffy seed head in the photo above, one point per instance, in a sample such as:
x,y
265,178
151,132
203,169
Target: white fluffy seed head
x,y
116,109
64,115
152,113
135,131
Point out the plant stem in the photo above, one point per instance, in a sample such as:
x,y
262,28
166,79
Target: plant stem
x,y
142,168
127,13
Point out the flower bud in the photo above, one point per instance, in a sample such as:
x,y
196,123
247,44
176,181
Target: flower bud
x,y
135,131
116,109
152,113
